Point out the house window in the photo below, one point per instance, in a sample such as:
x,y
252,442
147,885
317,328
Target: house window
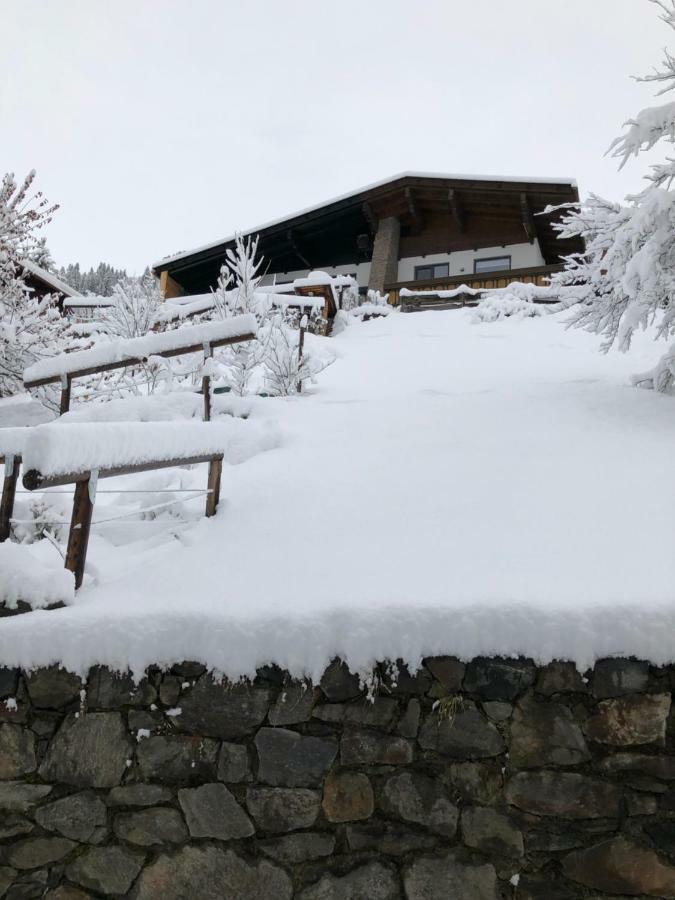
x,y
434,270
491,264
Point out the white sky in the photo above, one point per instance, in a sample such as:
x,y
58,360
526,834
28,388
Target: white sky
x,y
159,125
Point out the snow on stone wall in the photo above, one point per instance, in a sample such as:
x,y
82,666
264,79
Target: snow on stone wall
x,y
487,780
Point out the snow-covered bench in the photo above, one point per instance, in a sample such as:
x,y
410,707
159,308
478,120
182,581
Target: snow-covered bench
x,y
134,351
12,442
82,453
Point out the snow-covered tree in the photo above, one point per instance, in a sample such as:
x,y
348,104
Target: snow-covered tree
x,y
99,281
29,327
625,277
41,255
136,303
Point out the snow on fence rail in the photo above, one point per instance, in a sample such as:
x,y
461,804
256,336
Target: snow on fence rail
x,y
134,351
82,453
12,441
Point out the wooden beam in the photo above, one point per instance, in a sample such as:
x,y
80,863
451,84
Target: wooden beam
x,y
169,286
298,252
34,480
413,209
457,209
8,493
213,486
66,384
80,525
137,361
527,218
369,216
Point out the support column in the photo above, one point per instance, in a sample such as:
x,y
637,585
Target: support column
x,y
384,264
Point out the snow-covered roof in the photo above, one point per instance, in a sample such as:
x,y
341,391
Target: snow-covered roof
x,y
49,278
518,179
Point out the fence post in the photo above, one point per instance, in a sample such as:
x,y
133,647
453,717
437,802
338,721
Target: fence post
x,y
206,384
78,536
213,485
301,345
65,394
12,466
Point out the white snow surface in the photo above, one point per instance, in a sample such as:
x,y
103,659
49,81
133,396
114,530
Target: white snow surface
x,y
445,488
23,576
12,441
151,344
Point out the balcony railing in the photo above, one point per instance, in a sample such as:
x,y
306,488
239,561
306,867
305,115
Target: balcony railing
x,y
538,275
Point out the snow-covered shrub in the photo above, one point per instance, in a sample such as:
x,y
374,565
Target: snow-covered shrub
x,y
136,304
625,277
492,308
29,328
285,370
375,298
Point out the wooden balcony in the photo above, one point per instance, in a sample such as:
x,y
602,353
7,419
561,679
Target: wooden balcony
x,y
538,275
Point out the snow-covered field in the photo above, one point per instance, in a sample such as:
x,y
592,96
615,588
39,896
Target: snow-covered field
x,y
447,487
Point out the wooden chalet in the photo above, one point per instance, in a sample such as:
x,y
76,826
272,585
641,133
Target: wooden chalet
x,y
41,282
418,231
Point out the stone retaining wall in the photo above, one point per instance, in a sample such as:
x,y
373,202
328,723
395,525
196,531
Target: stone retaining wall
x,y
494,779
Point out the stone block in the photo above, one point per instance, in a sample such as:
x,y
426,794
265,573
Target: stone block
x,y
497,710
289,759
17,751
491,832
444,877
12,825
632,720
283,809
467,735
560,677
662,767
151,827
369,748
567,795
373,881
293,849
338,683
9,681
170,690
203,872
89,751
348,797
53,687
114,690
20,797
409,723
293,705
448,672
36,852
107,870
389,838
545,734
616,677
212,812
381,712
222,710
81,817
477,782
233,764
138,795
499,679
421,800
175,759
620,866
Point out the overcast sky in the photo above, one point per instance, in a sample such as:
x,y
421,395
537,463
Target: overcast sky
x,y
159,125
